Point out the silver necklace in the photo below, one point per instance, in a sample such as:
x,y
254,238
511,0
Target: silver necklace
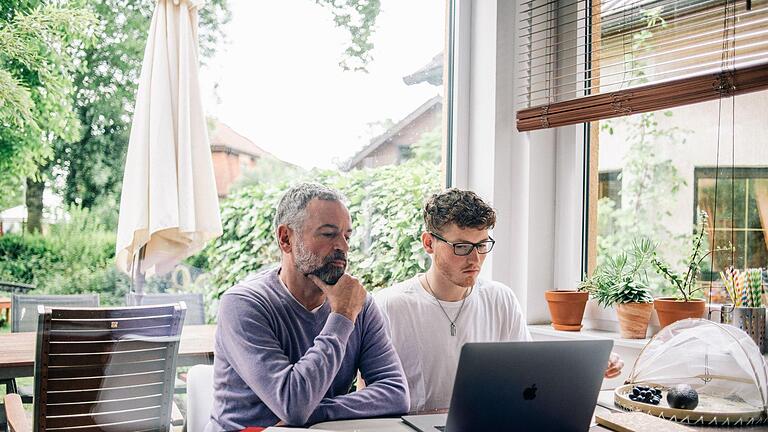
x,y
456,318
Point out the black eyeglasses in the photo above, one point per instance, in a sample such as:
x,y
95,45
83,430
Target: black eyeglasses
x,y
465,248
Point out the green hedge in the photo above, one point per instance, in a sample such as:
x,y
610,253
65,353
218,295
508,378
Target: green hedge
x,y
75,257
385,205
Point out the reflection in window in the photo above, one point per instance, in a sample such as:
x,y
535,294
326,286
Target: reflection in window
x,y
374,133
739,218
666,162
609,186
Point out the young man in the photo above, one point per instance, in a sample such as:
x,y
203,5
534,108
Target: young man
x,y
431,315
289,340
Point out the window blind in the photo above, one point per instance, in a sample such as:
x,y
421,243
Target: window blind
x,y
586,60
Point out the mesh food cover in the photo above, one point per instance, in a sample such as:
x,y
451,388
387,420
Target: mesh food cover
x,y
721,362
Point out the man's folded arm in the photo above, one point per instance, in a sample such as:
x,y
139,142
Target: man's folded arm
x,y
386,390
291,391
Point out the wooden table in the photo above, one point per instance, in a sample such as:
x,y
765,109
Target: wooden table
x,y
17,350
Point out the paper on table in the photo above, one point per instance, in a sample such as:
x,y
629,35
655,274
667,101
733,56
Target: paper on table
x,y
638,422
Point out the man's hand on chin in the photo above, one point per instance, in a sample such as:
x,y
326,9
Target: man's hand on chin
x,y
346,297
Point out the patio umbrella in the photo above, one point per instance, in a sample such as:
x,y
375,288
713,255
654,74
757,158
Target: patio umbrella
x,y
168,206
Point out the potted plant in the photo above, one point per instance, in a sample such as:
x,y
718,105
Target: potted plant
x,y
622,281
687,303
567,308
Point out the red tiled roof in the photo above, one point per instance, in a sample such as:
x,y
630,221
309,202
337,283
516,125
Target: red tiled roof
x,y
224,138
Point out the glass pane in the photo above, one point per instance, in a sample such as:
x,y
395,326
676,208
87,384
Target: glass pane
x,y
756,249
290,87
723,257
668,161
758,203
730,200
610,187
645,41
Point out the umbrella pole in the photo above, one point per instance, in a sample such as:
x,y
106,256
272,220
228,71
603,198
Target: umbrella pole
x,y
137,274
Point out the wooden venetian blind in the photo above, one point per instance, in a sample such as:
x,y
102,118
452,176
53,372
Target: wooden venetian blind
x,y
588,60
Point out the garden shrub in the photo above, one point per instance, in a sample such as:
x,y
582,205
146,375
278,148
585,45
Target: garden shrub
x,y
385,205
75,256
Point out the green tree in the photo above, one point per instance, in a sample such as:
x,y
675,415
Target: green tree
x,y
91,166
649,180
650,184
37,42
358,17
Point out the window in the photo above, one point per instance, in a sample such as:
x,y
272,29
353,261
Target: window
x,y
362,115
742,209
404,152
583,61
609,187
668,173
665,86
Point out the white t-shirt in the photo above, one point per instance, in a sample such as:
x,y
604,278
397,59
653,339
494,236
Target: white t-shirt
x,y
421,333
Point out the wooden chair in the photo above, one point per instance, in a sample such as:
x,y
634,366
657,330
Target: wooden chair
x,y
195,316
24,307
103,369
16,287
24,319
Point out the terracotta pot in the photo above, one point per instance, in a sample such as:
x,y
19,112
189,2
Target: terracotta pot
x,y
566,308
670,309
633,319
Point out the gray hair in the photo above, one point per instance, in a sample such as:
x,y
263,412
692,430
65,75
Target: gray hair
x,y
291,210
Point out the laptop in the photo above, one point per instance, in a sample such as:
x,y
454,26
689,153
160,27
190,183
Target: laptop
x,y
523,386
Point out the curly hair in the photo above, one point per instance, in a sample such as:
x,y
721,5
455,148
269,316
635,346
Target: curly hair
x,y
460,207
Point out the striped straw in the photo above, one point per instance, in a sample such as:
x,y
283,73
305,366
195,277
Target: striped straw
x,y
727,278
755,285
741,288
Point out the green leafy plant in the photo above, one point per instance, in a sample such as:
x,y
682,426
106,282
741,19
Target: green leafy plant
x,y
685,283
384,203
622,278
76,256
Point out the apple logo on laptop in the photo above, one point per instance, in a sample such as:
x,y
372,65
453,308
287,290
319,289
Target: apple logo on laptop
x,y
530,393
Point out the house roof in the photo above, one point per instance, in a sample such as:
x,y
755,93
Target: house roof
x,y
432,73
224,138
392,132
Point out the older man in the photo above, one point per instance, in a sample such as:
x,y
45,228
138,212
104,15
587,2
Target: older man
x,y
290,339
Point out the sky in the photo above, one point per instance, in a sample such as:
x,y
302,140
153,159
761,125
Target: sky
x,y
277,79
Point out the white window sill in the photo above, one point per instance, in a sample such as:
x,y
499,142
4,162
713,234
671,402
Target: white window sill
x,y
547,330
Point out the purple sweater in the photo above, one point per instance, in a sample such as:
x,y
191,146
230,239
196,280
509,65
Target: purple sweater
x,y
275,360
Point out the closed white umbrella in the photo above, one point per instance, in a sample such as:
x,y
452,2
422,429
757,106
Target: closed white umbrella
x,y
168,204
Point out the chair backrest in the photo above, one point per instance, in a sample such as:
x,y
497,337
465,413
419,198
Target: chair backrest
x,y
106,369
199,397
16,287
24,307
194,302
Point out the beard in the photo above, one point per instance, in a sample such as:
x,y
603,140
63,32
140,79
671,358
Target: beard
x,y
309,263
